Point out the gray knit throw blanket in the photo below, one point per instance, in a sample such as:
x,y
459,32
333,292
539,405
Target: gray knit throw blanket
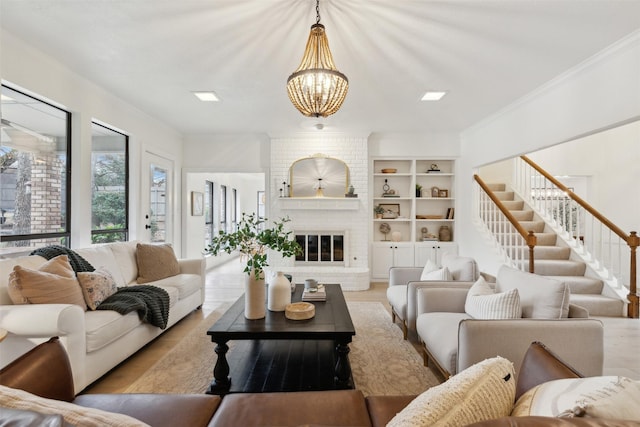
x,y
151,303
78,263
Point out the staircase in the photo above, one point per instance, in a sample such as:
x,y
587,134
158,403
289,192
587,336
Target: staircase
x,y
554,259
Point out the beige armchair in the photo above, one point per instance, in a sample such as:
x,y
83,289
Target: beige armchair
x,y
453,340
404,281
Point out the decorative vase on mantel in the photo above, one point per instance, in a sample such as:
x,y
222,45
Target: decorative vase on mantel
x,y
279,293
255,296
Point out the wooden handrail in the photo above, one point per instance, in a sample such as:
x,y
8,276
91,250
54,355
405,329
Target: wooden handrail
x,y
528,236
578,200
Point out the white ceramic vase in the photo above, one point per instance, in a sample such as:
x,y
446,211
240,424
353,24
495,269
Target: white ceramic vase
x,y
255,296
279,293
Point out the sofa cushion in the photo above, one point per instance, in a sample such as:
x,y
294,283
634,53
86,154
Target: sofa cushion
x,y
439,332
440,274
600,397
74,414
481,392
125,255
105,326
428,268
463,269
540,297
101,256
54,282
397,297
155,262
186,284
484,303
96,286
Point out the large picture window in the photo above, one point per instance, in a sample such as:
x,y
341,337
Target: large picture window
x,y
209,224
35,153
223,208
109,185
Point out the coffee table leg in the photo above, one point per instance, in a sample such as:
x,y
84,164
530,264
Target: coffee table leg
x,y
343,367
221,381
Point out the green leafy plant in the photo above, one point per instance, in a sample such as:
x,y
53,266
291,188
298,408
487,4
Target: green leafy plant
x,y
378,209
252,239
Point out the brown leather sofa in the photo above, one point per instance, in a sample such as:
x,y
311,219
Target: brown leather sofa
x,y
45,371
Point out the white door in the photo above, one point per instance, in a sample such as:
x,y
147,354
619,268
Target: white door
x,y
157,198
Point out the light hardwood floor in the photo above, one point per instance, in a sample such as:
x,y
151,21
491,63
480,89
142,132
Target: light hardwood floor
x,y
225,284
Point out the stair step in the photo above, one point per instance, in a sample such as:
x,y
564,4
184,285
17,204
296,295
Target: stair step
x,y
535,226
599,305
547,252
504,195
513,205
497,187
581,284
522,215
546,239
556,267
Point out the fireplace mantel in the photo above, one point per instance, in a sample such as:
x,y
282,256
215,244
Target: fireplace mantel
x,y
319,203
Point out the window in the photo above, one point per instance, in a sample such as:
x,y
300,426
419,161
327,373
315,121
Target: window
x,y
209,228
234,209
223,208
35,153
109,185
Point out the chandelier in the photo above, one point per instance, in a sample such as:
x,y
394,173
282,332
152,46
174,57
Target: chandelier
x,y
317,88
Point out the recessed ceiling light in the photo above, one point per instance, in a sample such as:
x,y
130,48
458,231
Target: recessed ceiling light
x,y
207,96
434,95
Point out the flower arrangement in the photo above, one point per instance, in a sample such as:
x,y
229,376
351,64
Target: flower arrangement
x,y
252,239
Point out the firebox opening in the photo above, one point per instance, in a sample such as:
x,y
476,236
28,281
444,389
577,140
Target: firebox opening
x,y
326,248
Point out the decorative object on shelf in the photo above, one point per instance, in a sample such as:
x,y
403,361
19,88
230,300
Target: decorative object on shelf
x,y
435,192
433,168
351,192
418,190
385,229
396,236
389,170
252,238
450,213
443,193
429,216
444,234
279,292
378,211
388,191
197,203
317,88
300,311
391,211
284,191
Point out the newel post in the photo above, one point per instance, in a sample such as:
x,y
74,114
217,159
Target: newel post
x,y
633,310
532,240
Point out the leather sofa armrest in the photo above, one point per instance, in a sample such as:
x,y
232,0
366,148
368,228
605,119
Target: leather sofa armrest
x,y
404,275
383,408
44,371
438,301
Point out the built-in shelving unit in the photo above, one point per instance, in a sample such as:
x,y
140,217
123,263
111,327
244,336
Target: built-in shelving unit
x,y
418,197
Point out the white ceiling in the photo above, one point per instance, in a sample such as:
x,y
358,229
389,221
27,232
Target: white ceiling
x,y
487,54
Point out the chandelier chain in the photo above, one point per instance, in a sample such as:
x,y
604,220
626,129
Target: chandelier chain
x,y
317,11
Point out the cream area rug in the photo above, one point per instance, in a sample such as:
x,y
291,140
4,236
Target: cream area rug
x,y
382,362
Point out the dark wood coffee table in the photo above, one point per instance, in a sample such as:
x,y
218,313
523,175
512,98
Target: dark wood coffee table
x,y
278,354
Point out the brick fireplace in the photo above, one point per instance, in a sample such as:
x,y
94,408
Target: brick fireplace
x,y
332,226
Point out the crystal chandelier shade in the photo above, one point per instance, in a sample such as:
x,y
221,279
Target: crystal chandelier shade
x,y
317,88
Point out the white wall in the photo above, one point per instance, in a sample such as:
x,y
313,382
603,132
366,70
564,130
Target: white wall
x,y
25,67
598,94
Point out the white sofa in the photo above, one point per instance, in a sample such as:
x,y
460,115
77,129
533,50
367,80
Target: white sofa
x,y
454,340
96,341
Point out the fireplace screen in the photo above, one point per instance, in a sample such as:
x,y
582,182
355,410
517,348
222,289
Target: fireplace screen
x,y
321,248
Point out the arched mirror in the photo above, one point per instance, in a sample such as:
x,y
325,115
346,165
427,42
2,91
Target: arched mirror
x,y
319,176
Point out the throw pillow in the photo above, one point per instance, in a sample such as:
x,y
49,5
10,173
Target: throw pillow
x,y
74,414
540,297
96,286
483,303
428,268
441,274
155,262
481,392
600,397
53,283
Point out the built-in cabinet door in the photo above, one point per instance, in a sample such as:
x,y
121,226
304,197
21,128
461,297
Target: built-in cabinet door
x,y
433,251
385,255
